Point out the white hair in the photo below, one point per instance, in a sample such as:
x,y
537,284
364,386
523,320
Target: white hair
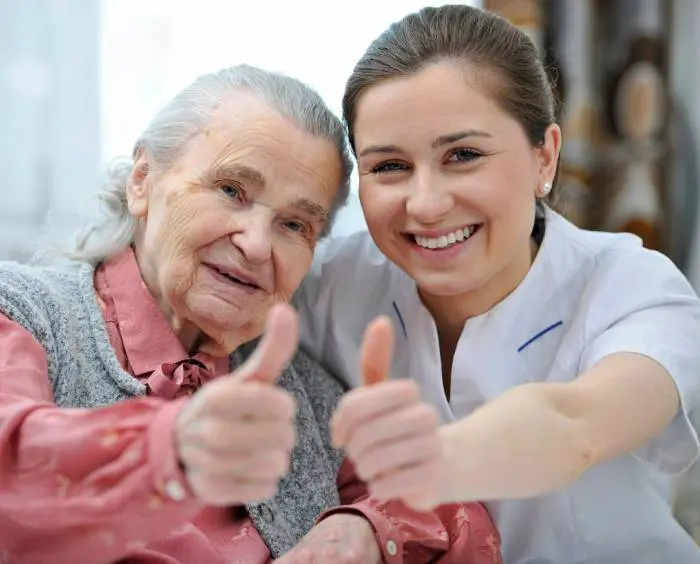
x,y
188,114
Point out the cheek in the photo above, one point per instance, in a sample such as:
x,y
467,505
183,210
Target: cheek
x,y
510,205
292,263
507,191
186,226
378,204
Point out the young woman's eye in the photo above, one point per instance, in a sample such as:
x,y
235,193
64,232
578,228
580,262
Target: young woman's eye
x,y
464,155
388,167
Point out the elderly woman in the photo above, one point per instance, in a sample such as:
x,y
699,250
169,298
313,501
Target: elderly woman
x,y
107,452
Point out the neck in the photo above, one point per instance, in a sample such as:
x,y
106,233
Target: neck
x,y
190,336
451,312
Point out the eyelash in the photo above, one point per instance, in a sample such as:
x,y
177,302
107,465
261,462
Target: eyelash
x,y
303,228
225,188
392,166
238,189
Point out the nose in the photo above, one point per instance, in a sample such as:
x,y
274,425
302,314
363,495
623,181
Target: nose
x,y
428,202
254,238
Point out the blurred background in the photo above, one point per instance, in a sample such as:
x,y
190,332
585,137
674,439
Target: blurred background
x,y
80,79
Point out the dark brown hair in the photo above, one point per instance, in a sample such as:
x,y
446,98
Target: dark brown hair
x,y
488,43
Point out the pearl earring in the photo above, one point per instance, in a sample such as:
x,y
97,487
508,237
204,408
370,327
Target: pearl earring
x,y
547,188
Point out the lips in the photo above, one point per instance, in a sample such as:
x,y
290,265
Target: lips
x,y
445,240
237,277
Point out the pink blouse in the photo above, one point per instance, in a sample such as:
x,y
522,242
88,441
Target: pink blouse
x,y
103,485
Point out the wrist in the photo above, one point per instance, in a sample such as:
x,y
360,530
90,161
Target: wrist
x,y
352,519
451,471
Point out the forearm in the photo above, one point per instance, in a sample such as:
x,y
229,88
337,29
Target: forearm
x,y
524,443
80,482
451,533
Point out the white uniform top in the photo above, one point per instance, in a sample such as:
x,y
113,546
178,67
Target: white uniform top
x,y
586,296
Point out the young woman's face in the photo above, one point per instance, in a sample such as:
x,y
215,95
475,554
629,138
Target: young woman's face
x,y
448,182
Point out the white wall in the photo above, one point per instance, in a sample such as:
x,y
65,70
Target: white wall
x,y
153,48
49,117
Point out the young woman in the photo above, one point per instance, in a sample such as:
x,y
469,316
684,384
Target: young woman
x,y
563,362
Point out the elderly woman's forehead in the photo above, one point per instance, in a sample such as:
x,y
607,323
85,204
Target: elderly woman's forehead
x,y
245,111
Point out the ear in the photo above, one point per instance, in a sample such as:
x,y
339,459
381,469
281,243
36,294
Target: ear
x,y
137,186
548,157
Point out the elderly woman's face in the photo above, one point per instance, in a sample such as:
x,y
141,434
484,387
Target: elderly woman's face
x,y
231,228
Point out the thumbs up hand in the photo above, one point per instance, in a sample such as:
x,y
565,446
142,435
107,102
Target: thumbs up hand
x,y
235,435
387,431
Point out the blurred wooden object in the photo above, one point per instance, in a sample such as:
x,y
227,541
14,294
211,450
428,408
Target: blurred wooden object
x,y
609,66
637,116
572,38
528,15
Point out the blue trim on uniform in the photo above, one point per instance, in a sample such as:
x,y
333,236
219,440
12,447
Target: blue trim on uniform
x,y
540,334
398,314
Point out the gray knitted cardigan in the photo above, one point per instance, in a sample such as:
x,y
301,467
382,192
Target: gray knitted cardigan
x,y
58,306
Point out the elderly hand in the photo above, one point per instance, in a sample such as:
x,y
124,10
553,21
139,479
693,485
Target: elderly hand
x,y
235,435
388,432
342,538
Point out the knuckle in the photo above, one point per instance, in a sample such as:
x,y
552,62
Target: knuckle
x,y
368,470
361,470
410,390
353,555
428,416
267,490
211,434
280,463
288,405
199,486
251,391
353,450
289,439
192,458
426,446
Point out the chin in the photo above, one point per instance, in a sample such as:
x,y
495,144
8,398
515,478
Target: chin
x,y
444,284
228,337
448,283
224,323
221,322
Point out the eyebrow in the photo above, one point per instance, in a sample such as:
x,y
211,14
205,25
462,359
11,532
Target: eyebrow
x,y
442,140
452,137
312,208
232,170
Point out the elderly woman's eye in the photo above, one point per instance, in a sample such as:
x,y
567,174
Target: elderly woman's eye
x,y
295,226
231,191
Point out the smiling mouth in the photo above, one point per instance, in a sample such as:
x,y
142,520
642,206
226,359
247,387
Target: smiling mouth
x,y
446,241
235,280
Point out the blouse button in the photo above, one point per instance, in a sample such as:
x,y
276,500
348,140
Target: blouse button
x,y
267,513
391,547
175,491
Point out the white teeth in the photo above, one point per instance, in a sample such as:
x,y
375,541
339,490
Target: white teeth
x,y
446,240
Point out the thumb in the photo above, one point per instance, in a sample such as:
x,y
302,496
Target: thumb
x,y
377,351
276,348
